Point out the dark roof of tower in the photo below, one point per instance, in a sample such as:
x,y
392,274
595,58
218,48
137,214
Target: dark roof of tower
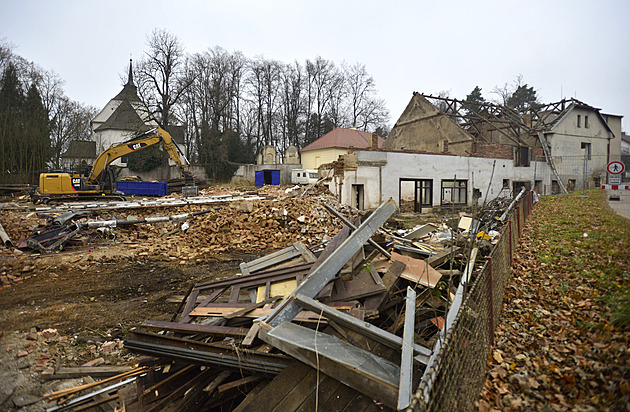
x,y
129,91
124,117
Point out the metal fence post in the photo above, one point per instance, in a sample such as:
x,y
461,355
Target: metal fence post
x,y
518,222
491,296
510,240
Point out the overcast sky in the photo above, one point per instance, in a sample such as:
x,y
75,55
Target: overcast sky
x,y
566,49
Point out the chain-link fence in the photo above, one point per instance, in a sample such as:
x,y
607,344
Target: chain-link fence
x,y
459,371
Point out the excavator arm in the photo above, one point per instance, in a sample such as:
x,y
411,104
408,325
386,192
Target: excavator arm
x,y
152,137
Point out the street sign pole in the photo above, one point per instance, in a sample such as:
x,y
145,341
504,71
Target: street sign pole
x,y
615,169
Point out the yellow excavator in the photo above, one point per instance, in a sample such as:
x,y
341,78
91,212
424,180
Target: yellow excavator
x,y
99,182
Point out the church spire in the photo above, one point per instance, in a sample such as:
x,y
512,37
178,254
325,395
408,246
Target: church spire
x,y
130,79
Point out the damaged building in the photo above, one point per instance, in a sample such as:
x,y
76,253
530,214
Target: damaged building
x,y
444,152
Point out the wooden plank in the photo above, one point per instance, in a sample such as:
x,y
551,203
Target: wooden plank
x,y
253,395
339,399
240,383
173,377
321,393
102,398
364,328
421,231
256,313
406,359
193,328
441,257
278,257
257,278
190,304
80,371
277,389
361,285
298,393
418,271
359,369
251,335
319,277
305,252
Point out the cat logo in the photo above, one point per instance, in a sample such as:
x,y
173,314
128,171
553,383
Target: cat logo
x,y
136,146
76,183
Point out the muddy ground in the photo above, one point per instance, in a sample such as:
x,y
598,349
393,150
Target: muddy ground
x,y
66,315
74,307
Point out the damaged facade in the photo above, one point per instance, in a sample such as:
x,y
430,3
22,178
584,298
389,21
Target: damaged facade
x,y
457,156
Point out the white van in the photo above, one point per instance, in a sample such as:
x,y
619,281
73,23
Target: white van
x,y
303,176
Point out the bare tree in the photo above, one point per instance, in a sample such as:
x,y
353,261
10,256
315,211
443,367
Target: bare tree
x,y
320,74
292,104
264,95
70,121
161,79
366,110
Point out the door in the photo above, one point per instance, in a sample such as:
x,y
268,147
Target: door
x,y
357,196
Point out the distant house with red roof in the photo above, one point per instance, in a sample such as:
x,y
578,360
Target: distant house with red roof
x,y
330,146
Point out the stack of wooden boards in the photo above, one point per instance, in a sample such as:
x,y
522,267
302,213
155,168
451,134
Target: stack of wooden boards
x,y
347,327
362,322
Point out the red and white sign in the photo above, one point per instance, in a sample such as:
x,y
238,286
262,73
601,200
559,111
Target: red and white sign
x,y
615,167
616,187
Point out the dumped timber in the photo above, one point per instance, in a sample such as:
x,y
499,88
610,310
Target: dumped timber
x,y
328,311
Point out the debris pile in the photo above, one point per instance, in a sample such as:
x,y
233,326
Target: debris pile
x,y
190,231
358,308
353,300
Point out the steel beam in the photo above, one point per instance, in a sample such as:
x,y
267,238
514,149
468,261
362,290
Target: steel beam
x,y
317,279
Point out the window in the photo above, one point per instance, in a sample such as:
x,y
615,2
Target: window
x,y
415,194
586,121
521,156
586,147
579,121
455,192
506,183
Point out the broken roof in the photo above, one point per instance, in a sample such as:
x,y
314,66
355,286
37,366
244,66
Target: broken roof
x,y
344,138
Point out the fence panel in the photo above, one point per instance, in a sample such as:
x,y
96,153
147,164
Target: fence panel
x,y
460,368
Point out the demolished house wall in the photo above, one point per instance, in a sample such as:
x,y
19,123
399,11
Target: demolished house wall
x,y
380,173
422,127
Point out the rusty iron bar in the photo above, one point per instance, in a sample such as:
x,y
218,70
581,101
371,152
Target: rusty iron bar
x,y
491,298
510,241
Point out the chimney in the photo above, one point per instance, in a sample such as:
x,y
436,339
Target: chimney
x,y
374,141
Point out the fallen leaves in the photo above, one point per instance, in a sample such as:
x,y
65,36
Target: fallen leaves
x,y
556,347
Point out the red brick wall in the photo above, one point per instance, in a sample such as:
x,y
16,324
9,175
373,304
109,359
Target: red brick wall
x,y
493,150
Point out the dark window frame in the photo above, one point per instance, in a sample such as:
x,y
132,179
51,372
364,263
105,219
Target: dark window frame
x,y
522,155
420,185
459,185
